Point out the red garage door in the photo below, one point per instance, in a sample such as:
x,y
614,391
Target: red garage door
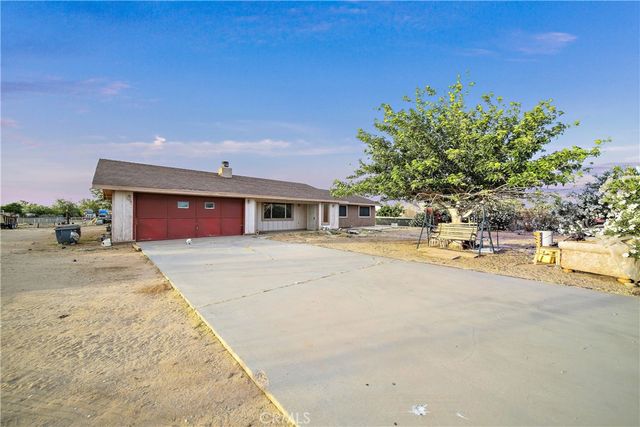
x,y
160,217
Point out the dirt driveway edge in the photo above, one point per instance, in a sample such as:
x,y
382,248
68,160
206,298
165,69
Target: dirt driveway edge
x,y
256,378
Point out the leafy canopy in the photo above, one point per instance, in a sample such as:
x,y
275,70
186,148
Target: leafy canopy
x,y
14,207
441,145
65,208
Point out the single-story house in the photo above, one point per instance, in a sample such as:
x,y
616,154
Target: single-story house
x,y
157,203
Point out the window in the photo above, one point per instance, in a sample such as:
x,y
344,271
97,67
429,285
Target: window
x,y
364,211
183,205
343,211
209,205
277,211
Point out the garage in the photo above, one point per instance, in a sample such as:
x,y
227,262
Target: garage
x,y
162,217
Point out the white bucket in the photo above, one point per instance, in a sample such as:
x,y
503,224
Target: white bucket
x,y
547,238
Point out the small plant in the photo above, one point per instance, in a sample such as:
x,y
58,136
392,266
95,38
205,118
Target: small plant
x,y
418,220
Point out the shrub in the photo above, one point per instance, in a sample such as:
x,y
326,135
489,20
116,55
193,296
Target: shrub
x,y
502,215
418,220
581,216
439,216
621,192
390,210
537,217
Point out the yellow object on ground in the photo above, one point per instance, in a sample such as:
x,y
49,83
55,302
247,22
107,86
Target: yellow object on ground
x,y
547,255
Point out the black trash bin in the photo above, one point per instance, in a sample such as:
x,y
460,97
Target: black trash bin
x,y
63,234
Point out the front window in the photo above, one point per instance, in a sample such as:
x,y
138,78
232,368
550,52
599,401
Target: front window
x,y
183,205
365,211
343,211
277,211
209,205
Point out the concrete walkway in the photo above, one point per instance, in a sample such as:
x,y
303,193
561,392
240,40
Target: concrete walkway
x,y
351,339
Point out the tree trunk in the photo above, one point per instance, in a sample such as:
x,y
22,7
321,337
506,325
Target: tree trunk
x,y
455,215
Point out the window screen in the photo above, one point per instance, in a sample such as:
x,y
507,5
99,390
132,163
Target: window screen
x,y
365,211
343,211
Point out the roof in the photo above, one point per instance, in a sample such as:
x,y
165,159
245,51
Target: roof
x,y
128,176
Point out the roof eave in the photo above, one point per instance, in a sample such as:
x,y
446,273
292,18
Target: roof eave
x,y
104,187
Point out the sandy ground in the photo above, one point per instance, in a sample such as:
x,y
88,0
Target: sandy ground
x,y
515,259
94,335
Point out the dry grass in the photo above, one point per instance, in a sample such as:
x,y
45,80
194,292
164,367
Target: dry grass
x,y
515,259
155,289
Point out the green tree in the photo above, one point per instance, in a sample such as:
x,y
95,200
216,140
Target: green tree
x,y
65,208
441,145
395,210
36,209
92,204
14,207
98,196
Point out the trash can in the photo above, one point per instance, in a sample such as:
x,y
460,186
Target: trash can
x,y
68,234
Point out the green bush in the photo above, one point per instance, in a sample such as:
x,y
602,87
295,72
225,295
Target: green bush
x,y
538,217
621,192
390,210
439,216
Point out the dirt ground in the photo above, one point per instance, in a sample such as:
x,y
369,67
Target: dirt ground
x,y
94,335
515,259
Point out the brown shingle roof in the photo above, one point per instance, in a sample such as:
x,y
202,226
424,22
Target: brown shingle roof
x,y
114,175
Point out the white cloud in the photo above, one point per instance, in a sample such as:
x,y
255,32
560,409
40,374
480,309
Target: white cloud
x,y
264,147
114,88
477,52
347,10
620,149
56,86
158,143
548,43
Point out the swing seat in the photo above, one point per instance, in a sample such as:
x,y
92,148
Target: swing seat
x,y
447,233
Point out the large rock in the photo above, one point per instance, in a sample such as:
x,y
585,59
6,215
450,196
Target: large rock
x,y
600,257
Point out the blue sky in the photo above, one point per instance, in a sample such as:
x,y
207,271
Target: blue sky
x,y
280,89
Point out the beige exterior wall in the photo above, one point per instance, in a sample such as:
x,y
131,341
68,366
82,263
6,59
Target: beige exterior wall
x,y
313,217
250,212
122,216
354,220
298,222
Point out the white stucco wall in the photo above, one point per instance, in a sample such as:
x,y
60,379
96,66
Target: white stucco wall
x,y
334,212
250,215
298,222
313,217
122,216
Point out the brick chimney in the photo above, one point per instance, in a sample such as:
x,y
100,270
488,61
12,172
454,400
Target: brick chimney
x,y
224,170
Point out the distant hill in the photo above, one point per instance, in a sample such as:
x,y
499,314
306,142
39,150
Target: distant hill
x,y
588,177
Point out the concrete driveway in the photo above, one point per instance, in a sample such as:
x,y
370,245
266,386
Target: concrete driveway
x,y
351,339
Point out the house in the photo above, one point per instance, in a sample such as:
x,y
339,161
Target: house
x,y
157,203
